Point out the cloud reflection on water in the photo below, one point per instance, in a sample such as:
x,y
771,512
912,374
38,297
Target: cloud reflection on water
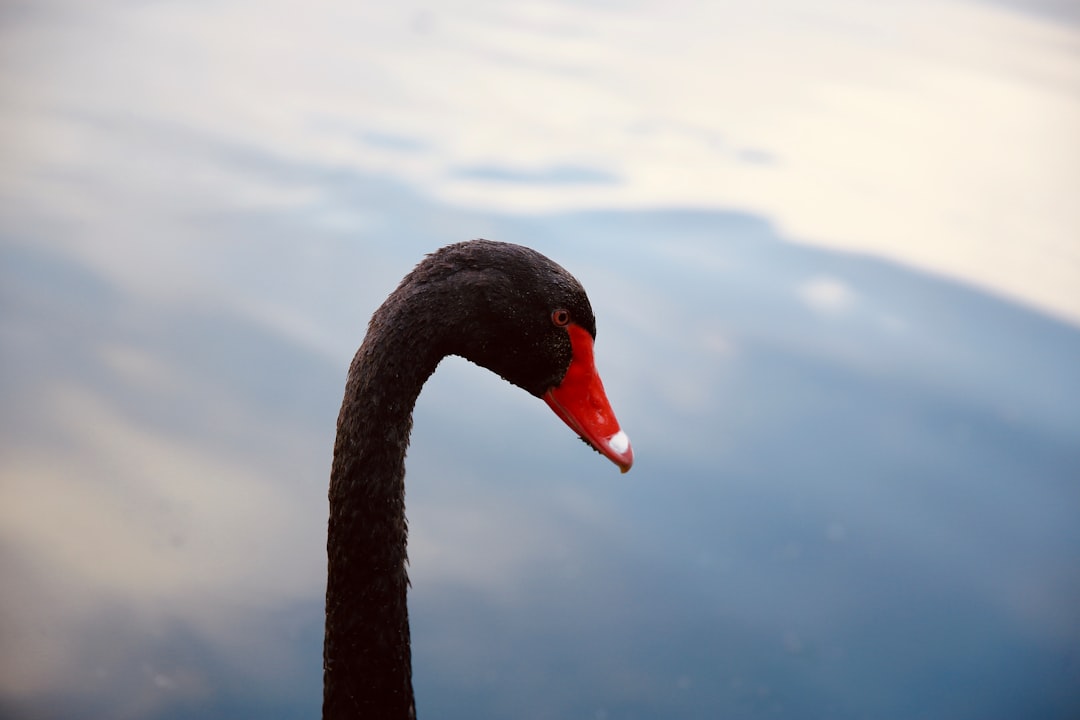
x,y
815,518
855,490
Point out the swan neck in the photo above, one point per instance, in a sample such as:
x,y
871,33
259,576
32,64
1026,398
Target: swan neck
x,y
367,655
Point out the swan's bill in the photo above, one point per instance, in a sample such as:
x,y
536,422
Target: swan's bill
x,y
582,404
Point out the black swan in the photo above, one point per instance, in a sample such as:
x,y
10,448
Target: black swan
x,y
504,307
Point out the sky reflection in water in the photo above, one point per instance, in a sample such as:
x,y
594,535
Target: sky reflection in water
x,y
855,491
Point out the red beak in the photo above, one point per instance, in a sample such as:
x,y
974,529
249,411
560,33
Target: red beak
x,y
580,401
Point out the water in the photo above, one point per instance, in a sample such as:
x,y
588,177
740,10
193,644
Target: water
x,y
856,482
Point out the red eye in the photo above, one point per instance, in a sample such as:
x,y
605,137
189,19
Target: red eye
x,y
561,318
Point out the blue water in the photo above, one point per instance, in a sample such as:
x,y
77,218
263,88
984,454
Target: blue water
x,y
860,508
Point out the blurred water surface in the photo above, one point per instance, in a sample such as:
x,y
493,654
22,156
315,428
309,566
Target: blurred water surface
x,y
858,460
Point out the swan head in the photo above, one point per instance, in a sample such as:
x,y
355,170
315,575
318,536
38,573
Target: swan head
x,y
521,315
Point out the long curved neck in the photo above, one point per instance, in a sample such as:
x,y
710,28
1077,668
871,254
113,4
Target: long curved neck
x,y
367,669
